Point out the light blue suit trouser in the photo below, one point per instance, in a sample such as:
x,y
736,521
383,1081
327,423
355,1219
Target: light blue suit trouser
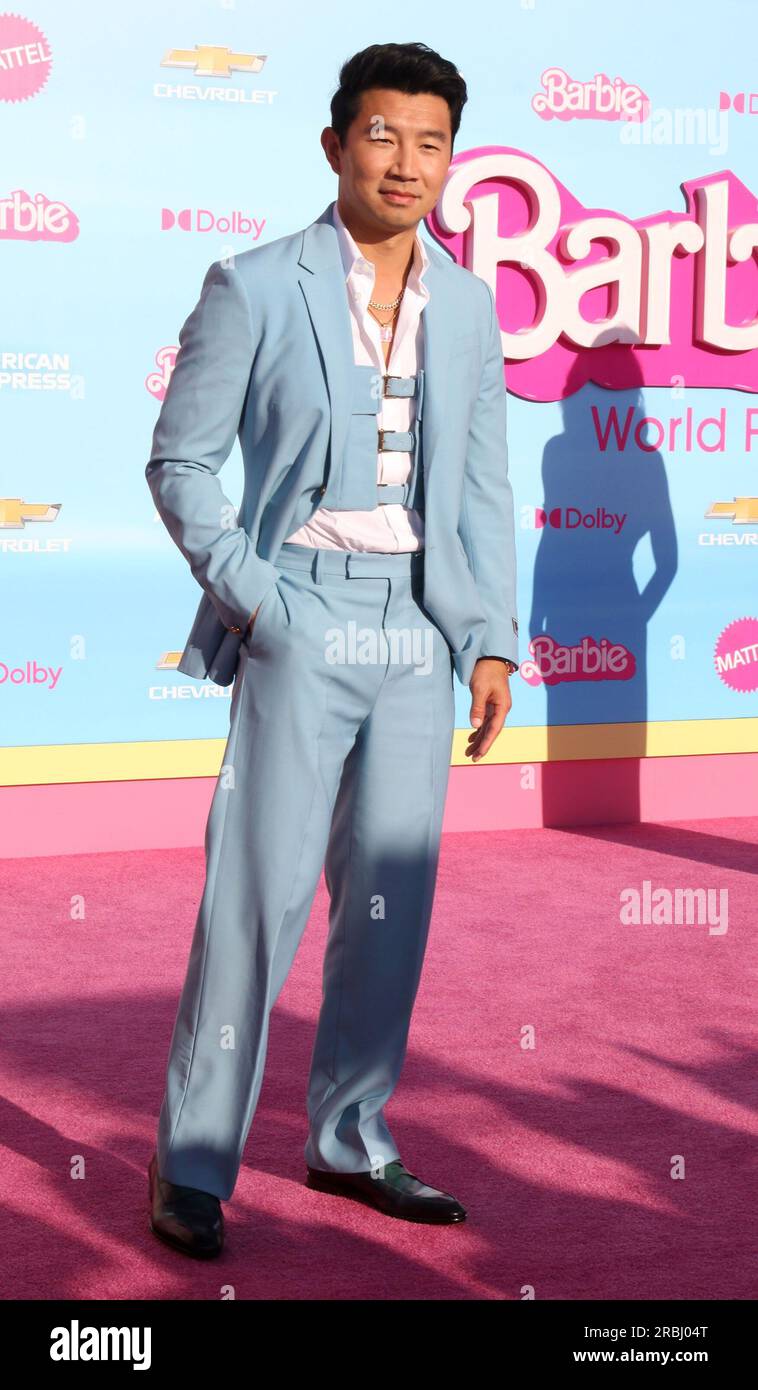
x,y
335,763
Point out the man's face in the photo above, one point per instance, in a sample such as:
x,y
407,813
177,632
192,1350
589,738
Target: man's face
x,y
393,164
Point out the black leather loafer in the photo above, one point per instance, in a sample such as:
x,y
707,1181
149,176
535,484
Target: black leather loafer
x,y
397,1193
184,1217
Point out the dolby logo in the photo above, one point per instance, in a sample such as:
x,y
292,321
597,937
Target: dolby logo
x,y
574,519
204,220
744,103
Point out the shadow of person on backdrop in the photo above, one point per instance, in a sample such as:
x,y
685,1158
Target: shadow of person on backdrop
x,y
599,504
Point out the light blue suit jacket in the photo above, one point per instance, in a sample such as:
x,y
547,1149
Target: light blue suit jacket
x,y
267,354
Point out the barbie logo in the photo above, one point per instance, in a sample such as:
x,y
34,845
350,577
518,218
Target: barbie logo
x,y
599,100
583,294
157,382
587,661
36,219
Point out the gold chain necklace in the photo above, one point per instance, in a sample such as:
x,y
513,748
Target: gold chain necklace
x,y
386,329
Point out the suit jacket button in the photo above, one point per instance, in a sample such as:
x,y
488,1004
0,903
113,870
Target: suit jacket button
x,y
236,629
322,490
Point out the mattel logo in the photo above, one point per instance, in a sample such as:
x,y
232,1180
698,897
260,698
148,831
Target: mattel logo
x,y
25,58
571,519
736,655
203,220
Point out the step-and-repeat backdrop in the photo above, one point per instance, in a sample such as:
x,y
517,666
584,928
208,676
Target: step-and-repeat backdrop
x,y
604,183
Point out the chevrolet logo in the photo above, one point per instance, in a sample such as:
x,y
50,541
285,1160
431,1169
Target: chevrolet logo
x,y
741,510
208,60
14,513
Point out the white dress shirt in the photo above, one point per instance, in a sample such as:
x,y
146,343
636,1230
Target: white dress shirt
x,y
389,527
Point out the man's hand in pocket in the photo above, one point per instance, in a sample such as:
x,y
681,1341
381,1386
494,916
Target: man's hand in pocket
x,y
251,621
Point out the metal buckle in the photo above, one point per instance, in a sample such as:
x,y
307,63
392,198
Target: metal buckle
x,y
389,377
393,376
381,433
405,486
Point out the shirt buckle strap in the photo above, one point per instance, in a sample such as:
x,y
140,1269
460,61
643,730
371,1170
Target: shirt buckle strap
x,y
400,385
399,441
388,493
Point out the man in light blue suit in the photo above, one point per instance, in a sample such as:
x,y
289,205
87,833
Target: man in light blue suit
x,y
340,601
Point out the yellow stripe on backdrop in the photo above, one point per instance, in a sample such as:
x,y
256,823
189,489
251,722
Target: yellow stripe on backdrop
x,y
137,762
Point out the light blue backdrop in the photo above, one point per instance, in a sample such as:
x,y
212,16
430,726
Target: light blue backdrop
x,y
99,139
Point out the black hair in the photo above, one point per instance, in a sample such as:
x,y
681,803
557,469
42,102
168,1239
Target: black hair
x,y
400,67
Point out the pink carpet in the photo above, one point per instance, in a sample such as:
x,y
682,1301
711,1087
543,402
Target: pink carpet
x,y
614,1159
